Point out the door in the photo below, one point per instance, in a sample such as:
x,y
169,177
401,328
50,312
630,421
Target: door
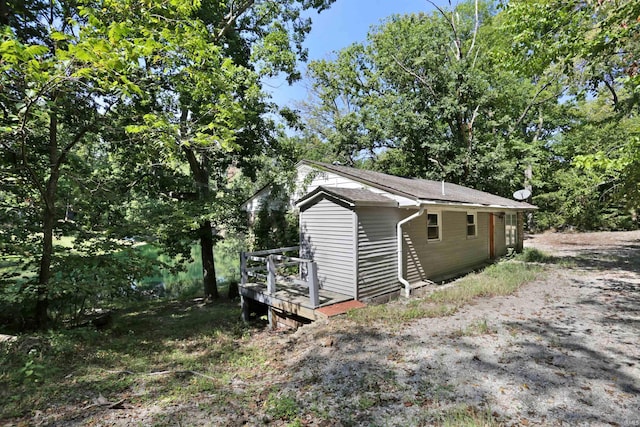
x,y
492,237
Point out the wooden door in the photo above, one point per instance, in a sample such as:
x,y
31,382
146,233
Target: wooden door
x,y
492,236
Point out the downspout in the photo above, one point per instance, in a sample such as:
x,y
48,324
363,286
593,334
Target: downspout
x,y
401,279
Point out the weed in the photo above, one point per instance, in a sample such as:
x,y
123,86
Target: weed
x,y
148,337
481,327
467,416
283,407
31,371
535,255
365,402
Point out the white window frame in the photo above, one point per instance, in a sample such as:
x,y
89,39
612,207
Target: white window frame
x,y
438,226
511,229
474,224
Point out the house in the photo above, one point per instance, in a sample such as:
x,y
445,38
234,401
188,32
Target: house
x,y
372,234
269,198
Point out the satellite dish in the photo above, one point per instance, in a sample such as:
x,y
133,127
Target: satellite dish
x,y
522,194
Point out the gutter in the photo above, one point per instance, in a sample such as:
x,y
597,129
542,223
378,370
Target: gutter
x,y
401,279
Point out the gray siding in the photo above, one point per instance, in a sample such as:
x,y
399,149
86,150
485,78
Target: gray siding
x,y
454,253
327,236
377,251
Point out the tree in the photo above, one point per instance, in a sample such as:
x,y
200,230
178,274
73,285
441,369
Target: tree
x,y
48,73
182,77
205,102
594,47
427,96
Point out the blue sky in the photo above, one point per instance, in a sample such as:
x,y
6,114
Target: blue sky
x,y
346,22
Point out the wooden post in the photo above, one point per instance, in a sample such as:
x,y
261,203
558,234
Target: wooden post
x,y
312,279
520,232
271,275
246,313
272,319
243,268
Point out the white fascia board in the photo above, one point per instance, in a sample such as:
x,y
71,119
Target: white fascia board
x,y
254,202
327,195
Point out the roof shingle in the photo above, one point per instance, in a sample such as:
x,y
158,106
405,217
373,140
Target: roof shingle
x,y
420,189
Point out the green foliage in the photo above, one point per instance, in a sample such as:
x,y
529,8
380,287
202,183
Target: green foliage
x,y
426,97
593,43
588,182
591,179
476,95
32,371
171,102
275,228
175,277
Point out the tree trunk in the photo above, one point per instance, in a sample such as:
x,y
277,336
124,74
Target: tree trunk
x,y
208,265
205,232
44,274
48,222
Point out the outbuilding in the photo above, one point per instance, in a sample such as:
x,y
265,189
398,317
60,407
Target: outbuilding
x,y
372,234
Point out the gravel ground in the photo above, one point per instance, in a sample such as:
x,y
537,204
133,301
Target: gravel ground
x,y
563,351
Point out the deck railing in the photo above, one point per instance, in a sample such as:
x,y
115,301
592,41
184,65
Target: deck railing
x,y
268,266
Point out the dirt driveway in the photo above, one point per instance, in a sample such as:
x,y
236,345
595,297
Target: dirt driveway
x,y
562,351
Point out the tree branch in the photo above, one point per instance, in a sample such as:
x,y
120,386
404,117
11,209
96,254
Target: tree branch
x,y
231,18
33,177
452,24
528,107
613,92
475,32
420,78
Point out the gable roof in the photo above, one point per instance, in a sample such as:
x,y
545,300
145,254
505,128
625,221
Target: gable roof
x,y
420,189
352,196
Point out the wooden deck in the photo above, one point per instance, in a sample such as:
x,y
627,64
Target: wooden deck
x,y
292,299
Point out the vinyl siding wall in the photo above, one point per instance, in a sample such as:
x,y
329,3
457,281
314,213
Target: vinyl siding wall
x,y
454,253
327,237
377,251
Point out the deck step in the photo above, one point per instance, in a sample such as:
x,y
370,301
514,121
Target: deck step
x,y
339,308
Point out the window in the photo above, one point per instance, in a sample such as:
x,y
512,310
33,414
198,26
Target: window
x,y
472,229
433,227
511,229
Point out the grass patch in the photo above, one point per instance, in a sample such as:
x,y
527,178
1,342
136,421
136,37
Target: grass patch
x,y
394,312
481,327
502,278
535,255
157,351
282,406
467,416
